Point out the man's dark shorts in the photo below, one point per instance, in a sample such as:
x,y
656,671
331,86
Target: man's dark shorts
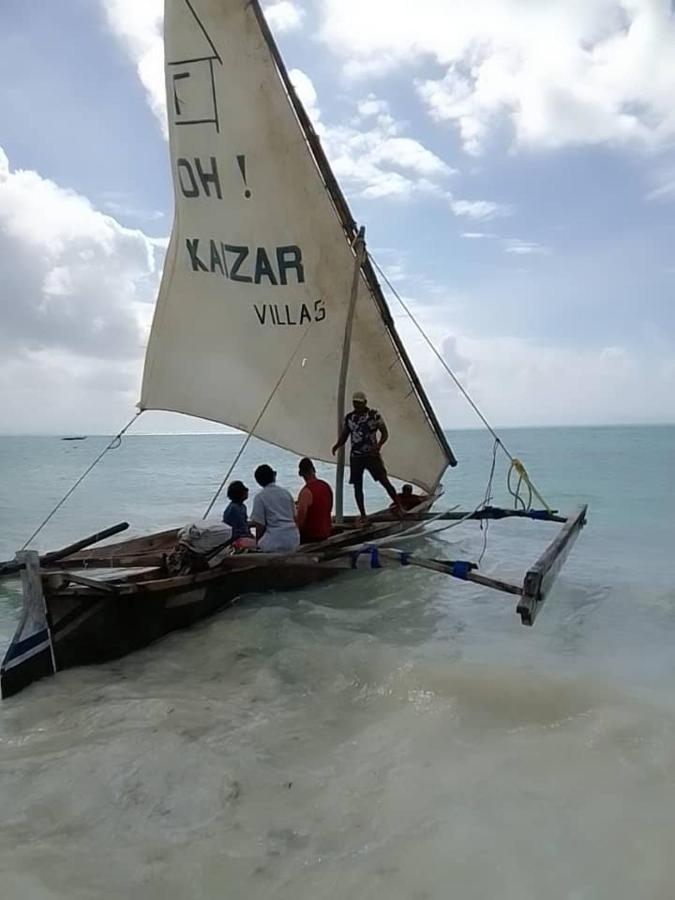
x,y
372,464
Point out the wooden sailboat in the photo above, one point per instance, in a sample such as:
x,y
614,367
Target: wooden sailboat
x,y
268,314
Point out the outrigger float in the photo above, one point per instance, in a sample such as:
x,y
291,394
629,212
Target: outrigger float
x,y
269,312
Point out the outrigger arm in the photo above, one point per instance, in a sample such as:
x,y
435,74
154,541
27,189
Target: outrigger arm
x,y
537,583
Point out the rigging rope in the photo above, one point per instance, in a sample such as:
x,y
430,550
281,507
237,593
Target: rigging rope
x,y
255,425
113,445
487,499
516,464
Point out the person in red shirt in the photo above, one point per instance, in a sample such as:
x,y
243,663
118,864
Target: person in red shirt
x,y
315,505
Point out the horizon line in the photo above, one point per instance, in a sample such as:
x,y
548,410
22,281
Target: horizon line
x,y
236,433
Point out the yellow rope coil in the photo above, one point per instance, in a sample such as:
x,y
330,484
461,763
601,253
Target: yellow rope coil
x,y
519,468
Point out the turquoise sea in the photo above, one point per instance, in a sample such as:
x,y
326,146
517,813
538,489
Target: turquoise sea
x,y
390,735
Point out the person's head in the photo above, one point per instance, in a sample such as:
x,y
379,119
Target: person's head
x,y
265,475
237,492
306,468
360,401
407,490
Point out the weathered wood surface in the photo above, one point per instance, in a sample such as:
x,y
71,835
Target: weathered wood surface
x,y
146,550
34,605
543,573
445,567
94,583
12,567
455,515
134,561
134,546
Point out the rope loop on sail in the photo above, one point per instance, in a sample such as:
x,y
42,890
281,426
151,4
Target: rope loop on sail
x,y
113,445
516,465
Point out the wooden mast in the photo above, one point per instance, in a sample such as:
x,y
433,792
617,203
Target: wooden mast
x,y
360,251
349,226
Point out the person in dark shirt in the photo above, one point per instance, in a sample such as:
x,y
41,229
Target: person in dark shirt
x,y
407,499
236,516
368,434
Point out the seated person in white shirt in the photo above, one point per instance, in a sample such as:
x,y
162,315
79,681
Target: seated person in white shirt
x,y
273,515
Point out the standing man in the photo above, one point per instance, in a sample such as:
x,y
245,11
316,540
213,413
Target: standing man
x,y
369,434
315,505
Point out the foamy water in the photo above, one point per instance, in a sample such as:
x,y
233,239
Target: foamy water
x,y
389,736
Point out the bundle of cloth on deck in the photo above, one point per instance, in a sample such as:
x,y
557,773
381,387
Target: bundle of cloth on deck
x,y
199,547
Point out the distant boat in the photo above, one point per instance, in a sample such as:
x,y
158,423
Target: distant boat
x,y
269,314
75,438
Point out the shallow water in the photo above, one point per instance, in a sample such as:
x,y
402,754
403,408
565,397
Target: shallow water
x,y
396,735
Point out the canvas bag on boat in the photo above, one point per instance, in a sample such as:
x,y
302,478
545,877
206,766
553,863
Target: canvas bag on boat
x,y
205,539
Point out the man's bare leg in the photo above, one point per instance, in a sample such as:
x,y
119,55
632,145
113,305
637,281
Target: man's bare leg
x,y
358,496
391,490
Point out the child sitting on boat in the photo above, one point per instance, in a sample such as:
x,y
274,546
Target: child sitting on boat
x,y
236,516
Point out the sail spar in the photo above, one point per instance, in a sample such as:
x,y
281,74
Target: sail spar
x,y
259,267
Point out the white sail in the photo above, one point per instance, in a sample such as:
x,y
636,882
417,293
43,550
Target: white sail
x,y
259,269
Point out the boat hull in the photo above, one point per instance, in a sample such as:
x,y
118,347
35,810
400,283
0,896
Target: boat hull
x,y
71,619
66,624
90,630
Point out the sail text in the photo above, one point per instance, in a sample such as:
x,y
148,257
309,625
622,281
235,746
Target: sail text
x,y
247,265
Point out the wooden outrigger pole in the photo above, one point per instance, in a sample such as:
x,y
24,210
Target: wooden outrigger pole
x,y
538,580
543,573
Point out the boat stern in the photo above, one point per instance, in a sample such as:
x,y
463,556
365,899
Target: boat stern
x,y
30,655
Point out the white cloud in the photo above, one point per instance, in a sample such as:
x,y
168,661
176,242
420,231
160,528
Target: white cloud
x,y
370,156
376,162
519,382
406,153
373,106
479,210
524,248
304,88
664,185
77,296
122,205
477,235
138,26
579,72
284,15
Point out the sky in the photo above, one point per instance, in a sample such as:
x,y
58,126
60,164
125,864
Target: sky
x,y
513,162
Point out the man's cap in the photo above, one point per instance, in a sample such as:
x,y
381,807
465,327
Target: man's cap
x,y
359,397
